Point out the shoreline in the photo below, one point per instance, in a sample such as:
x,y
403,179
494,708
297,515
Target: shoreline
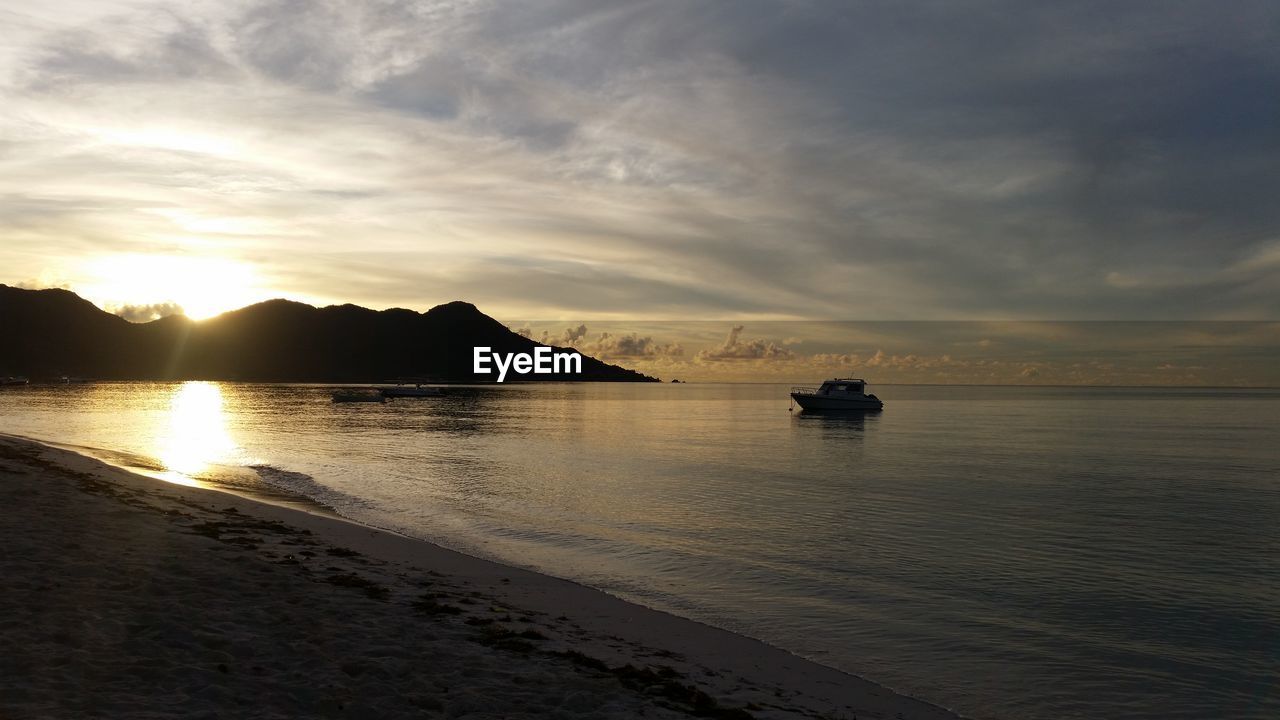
x,y
572,632
248,485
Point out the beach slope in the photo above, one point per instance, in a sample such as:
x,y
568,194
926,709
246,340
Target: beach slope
x,y
127,596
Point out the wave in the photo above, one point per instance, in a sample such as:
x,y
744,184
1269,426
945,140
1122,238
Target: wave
x,y
304,485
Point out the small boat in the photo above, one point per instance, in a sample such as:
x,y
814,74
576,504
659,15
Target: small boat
x,y
11,380
357,396
411,392
836,394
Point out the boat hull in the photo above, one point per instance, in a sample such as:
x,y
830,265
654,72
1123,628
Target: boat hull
x,y
357,398
819,403
411,392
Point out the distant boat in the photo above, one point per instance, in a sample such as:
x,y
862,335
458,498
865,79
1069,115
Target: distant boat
x,y
11,380
411,392
836,394
357,396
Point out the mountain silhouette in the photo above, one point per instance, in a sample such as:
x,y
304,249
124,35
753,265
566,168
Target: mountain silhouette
x,y
50,333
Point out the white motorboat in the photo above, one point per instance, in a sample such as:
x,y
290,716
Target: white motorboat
x,y
836,394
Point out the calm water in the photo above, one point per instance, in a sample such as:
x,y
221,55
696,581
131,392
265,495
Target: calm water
x,y
1008,552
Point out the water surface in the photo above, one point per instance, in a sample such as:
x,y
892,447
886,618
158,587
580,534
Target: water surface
x,y
1008,552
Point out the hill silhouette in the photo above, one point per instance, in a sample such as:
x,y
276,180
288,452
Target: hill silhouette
x,y
49,333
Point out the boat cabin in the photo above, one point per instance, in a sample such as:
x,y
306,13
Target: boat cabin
x,y
843,386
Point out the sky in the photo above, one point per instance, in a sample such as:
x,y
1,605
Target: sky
x,y
1125,353
580,161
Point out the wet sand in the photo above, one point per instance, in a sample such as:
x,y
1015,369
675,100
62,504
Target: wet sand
x,y
128,596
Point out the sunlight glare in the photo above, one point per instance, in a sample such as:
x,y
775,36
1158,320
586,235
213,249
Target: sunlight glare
x,y
197,436
176,139
203,286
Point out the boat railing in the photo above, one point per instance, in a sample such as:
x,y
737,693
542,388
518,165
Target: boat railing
x,y
804,389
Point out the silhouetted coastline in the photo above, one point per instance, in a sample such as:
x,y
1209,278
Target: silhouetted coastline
x,y
53,333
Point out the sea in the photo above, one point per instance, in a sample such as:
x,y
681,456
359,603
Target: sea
x,y
1007,552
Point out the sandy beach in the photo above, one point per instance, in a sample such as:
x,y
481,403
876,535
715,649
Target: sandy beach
x,y
125,596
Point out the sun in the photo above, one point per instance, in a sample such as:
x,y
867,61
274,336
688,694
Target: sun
x,y
202,286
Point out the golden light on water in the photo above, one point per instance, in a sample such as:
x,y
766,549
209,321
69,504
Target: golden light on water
x,y
197,435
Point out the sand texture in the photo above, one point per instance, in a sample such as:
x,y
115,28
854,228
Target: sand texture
x,y
123,596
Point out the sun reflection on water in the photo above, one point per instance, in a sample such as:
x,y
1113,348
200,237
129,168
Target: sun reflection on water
x,y
197,435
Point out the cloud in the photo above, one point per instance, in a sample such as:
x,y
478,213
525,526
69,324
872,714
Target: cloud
x,y
837,359
630,345
1042,353
802,160
736,348
606,345
147,313
569,337
41,285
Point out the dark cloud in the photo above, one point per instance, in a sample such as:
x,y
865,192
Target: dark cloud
x,y
306,43
174,49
